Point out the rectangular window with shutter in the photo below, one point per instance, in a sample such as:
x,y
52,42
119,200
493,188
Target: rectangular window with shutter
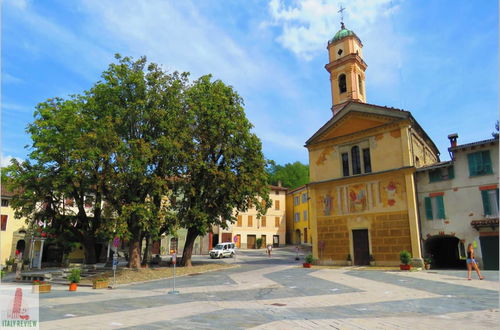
x,y
240,221
276,221
5,202
264,221
440,174
479,163
250,221
296,200
434,208
296,216
490,202
3,224
276,205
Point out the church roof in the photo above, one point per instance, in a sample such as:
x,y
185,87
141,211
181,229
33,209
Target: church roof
x,y
356,106
343,33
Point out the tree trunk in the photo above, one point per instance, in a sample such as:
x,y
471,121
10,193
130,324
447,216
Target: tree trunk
x,y
146,256
188,247
89,250
134,252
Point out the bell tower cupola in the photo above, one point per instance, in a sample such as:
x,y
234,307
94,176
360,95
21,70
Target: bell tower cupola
x,y
346,67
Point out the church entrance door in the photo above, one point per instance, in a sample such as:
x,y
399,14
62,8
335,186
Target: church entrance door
x,y
361,247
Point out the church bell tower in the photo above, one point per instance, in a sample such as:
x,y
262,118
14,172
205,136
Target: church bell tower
x,y
346,68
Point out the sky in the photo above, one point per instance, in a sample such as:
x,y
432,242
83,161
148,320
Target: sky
x,y
437,59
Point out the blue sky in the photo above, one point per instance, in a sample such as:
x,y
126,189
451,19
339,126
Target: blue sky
x,y
437,59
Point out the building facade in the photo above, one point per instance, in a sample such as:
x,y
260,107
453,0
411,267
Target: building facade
x,y
298,224
458,205
12,230
270,228
362,163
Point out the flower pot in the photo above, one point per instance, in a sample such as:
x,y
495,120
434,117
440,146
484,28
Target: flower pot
x,y
100,284
73,286
41,288
427,266
306,265
405,267
372,263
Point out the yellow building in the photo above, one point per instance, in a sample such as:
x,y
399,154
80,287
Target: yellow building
x,y
271,227
362,164
12,230
297,215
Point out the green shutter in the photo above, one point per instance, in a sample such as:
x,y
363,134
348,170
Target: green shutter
x,y
440,205
486,160
486,202
435,175
472,164
428,208
451,172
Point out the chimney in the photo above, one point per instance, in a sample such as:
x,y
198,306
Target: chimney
x,y
279,183
453,139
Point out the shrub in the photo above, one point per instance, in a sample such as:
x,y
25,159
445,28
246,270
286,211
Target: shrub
x,y
405,257
2,273
258,242
9,261
309,259
74,276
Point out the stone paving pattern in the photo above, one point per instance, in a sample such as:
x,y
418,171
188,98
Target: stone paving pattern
x,y
276,293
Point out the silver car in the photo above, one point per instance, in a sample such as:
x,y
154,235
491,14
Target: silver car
x,y
222,250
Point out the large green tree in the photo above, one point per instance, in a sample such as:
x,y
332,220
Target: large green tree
x,y
224,168
144,104
290,175
59,186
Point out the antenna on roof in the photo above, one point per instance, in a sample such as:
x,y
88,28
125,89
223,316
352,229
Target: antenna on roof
x,y
341,11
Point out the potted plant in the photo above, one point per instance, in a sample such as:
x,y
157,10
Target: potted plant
x,y
349,260
9,263
372,260
308,261
427,263
2,273
74,279
100,283
41,287
405,258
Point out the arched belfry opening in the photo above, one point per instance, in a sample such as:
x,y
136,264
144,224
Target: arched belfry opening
x,y
342,84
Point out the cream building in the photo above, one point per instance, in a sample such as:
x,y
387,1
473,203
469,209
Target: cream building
x,y
271,227
458,205
12,230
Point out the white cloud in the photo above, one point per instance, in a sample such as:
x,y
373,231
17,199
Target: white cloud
x,y
5,161
305,26
10,79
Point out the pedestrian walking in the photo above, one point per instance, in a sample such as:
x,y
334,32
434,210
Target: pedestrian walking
x,y
471,263
269,249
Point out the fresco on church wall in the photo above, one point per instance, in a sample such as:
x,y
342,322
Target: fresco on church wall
x,y
357,198
391,192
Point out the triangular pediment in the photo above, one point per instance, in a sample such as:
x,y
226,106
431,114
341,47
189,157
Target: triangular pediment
x,y
356,117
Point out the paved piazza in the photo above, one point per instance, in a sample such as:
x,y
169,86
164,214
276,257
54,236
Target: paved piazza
x,y
275,293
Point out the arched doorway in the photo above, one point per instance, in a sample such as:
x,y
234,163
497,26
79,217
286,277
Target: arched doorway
x,y
20,246
297,236
445,252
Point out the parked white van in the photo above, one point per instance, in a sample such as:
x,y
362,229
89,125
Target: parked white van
x,y
222,250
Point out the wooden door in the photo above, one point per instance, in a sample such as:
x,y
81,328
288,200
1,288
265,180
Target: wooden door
x,y
251,241
226,237
361,247
276,241
238,242
263,237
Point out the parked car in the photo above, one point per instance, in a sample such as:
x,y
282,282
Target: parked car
x,y
222,250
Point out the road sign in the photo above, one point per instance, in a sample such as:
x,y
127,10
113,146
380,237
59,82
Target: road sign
x,y
116,242
115,261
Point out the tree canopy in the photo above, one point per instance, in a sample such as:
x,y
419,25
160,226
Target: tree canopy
x,y
290,175
140,153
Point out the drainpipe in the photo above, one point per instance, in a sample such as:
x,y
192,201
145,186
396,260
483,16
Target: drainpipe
x,y
416,196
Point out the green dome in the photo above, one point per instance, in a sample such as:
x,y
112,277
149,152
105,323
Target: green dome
x,y
342,33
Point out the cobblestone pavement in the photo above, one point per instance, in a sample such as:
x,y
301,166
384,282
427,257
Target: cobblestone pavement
x,y
276,293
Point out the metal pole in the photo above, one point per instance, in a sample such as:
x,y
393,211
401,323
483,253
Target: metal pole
x,y
174,261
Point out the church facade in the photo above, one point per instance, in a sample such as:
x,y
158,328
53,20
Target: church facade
x,y
363,203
